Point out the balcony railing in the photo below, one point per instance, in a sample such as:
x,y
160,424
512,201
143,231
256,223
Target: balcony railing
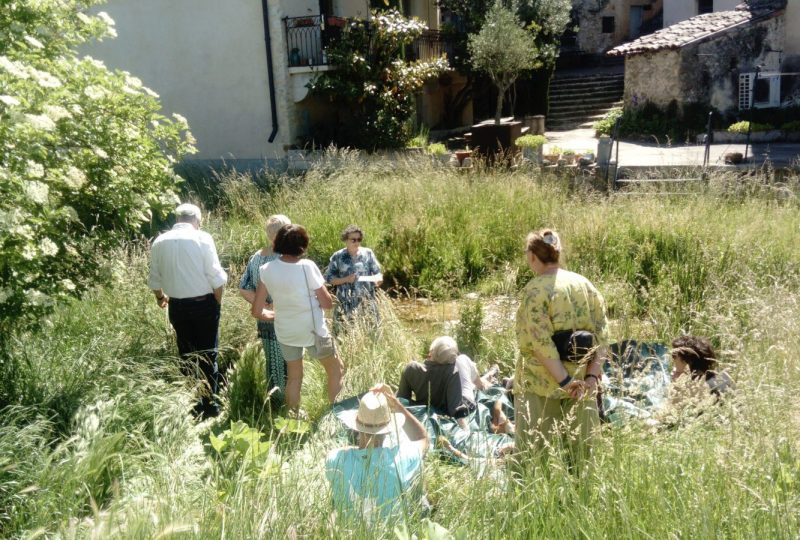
x,y
305,39
430,45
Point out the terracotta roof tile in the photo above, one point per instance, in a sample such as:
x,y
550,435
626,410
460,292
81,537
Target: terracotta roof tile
x,y
699,27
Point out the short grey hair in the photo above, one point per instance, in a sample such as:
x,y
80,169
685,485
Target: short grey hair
x,y
187,211
444,350
274,224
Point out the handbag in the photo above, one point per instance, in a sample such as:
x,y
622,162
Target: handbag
x,y
323,344
573,346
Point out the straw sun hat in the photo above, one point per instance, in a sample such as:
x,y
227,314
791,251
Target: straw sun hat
x,y
373,416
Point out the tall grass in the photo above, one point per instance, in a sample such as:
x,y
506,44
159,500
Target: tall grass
x,y
96,440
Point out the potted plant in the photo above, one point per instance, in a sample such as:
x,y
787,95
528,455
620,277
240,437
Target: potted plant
x,y
502,49
553,155
568,156
439,152
531,146
336,22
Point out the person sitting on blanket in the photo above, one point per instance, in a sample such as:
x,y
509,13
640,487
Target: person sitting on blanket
x,y
696,356
696,382
446,381
371,480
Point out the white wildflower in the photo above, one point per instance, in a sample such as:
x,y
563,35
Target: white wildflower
x,y
75,177
56,112
35,169
29,252
37,191
95,92
106,18
16,69
48,247
71,251
76,109
45,79
95,62
11,101
132,132
128,90
32,41
37,298
134,82
68,284
5,294
99,152
85,19
180,119
150,92
40,121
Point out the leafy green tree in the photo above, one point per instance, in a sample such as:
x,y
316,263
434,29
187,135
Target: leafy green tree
x,y
85,157
373,83
503,49
546,19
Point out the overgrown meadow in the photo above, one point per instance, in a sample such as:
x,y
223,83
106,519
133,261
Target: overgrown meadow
x,y
98,443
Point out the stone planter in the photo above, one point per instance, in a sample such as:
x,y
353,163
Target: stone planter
x,y
491,139
533,154
726,137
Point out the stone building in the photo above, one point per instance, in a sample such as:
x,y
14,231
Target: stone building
x,y
729,60
602,24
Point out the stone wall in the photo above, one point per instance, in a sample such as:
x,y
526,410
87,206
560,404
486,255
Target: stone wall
x,y
653,77
591,38
705,73
710,70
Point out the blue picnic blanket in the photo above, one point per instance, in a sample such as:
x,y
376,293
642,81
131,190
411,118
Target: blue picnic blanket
x,y
635,383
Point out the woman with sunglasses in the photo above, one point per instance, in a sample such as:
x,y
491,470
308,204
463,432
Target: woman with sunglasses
x,y
355,273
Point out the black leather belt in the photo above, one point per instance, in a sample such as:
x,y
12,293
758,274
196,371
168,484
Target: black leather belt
x,y
190,300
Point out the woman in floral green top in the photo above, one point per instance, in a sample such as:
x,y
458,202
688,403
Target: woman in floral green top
x,y
276,365
555,395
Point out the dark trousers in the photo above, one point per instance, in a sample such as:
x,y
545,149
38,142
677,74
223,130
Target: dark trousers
x,y
196,324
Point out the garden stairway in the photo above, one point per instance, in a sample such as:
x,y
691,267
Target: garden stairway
x,y
579,98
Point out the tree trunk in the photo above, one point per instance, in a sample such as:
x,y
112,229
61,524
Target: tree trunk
x,y
499,111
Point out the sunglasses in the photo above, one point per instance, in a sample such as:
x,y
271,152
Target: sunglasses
x,y
354,240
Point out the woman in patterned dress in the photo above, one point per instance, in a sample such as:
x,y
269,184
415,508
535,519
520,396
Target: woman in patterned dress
x,y
276,366
552,395
346,268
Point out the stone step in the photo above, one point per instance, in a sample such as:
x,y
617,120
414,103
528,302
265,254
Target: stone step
x,y
586,81
572,92
586,102
582,115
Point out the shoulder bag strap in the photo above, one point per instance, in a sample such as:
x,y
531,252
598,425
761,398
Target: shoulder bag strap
x,y
310,292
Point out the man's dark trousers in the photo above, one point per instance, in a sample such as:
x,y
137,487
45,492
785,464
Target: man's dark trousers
x,y
196,324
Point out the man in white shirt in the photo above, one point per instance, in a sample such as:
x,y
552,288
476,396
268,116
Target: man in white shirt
x,y
185,274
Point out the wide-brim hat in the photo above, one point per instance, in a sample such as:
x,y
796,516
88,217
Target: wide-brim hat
x,y
373,416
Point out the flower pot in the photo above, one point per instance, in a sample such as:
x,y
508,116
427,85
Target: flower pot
x,y
462,154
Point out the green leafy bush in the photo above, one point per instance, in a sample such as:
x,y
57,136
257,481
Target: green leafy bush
x,y
791,126
372,83
530,141
470,329
605,126
744,126
85,158
437,149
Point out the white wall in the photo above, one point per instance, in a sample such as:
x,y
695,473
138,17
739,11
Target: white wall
x,y
351,8
207,61
792,22
676,11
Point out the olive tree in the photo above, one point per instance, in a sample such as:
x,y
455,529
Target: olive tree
x,y
85,157
503,49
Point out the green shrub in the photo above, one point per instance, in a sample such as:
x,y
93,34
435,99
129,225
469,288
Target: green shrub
x,y
469,331
744,126
437,149
605,126
530,141
86,158
792,126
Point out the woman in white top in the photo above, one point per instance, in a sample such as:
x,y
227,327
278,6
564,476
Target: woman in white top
x,y
298,296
